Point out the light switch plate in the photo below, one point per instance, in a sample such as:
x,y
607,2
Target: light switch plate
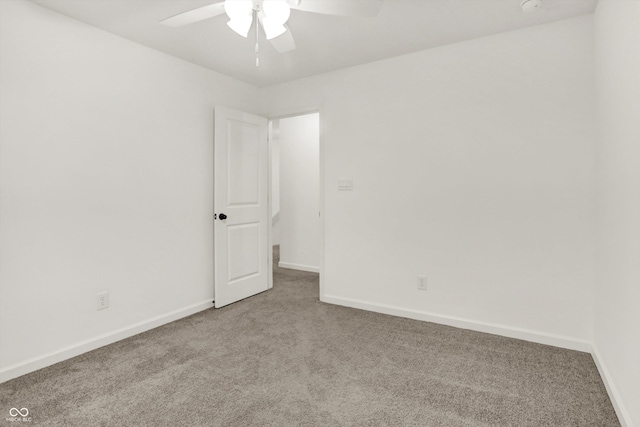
x,y
345,184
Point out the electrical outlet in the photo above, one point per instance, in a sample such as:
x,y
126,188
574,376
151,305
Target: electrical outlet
x,y
422,283
103,300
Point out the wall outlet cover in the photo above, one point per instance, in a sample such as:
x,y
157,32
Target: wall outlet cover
x,y
103,300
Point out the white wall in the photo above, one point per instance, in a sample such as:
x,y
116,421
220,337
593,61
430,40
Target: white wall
x,y
106,184
473,164
299,146
617,311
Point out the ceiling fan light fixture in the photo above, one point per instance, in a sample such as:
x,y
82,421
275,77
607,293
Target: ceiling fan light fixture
x,y
277,11
273,16
240,13
238,8
240,25
271,28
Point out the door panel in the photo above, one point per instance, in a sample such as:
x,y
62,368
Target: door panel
x,y
243,246
241,185
243,163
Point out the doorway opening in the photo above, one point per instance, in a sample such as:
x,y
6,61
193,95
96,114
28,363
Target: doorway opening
x,y
296,202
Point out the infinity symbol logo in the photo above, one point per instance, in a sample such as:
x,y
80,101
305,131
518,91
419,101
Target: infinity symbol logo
x,y
14,412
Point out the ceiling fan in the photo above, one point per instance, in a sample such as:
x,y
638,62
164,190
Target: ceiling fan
x,y
272,15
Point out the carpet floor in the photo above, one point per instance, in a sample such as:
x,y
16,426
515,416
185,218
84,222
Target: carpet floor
x,y
283,358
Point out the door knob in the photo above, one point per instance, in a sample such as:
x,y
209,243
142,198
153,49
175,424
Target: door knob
x,y
222,216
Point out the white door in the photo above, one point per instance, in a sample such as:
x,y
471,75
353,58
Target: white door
x,y
241,209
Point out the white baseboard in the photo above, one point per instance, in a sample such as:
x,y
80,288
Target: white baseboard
x,y
474,325
300,267
40,362
614,395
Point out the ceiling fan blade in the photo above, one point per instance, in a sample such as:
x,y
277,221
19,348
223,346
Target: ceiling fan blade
x,y
365,8
195,15
284,42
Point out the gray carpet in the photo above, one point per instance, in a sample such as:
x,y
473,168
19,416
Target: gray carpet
x,y
282,358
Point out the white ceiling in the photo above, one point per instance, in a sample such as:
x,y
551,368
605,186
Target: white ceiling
x,y
324,43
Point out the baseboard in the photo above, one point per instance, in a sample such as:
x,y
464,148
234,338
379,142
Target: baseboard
x,y
474,325
614,395
36,363
300,267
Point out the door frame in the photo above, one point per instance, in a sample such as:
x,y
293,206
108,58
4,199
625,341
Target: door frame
x,y
283,114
